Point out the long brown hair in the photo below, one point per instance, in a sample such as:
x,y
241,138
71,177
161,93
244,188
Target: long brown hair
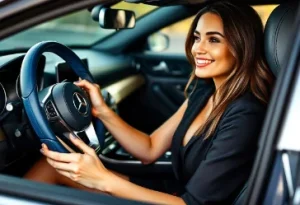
x,y
243,30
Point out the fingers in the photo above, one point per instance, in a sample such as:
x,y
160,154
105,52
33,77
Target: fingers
x,y
81,145
87,85
70,167
61,157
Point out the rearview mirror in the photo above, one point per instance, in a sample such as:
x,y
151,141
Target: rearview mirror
x,y
116,18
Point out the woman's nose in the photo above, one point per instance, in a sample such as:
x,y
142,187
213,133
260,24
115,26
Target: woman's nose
x,y
199,47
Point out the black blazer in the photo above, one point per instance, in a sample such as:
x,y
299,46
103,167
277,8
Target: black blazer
x,y
213,171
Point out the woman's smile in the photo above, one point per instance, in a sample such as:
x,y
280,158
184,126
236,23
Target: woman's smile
x,y
202,62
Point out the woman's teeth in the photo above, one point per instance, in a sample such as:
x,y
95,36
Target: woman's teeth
x,y
204,61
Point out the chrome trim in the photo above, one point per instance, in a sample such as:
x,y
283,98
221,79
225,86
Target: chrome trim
x,y
120,162
110,147
17,87
107,138
96,146
5,98
47,96
81,103
162,66
91,134
289,134
288,173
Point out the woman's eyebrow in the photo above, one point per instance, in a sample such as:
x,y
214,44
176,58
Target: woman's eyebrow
x,y
214,33
197,32
210,33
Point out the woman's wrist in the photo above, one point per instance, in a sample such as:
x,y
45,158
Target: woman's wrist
x,y
106,184
103,112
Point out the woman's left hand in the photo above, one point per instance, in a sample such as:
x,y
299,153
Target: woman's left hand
x,y
85,169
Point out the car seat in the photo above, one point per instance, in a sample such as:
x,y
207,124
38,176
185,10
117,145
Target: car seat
x,y
278,36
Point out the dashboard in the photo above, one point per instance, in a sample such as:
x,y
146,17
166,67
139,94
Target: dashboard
x,y
10,92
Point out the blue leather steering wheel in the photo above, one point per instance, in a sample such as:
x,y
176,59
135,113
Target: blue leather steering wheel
x,y
62,107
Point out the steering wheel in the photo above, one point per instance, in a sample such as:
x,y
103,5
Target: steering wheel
x,y
60,109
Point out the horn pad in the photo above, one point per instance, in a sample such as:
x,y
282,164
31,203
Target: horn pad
x,y
73,105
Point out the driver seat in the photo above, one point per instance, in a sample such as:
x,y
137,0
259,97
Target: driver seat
x,y
277,42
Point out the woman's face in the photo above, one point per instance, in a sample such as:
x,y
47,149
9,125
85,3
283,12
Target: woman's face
x,y
210,50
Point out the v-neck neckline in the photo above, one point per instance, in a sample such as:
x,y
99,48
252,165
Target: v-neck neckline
x,y
200,101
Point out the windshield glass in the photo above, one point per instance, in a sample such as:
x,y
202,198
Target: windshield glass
x,y
76,29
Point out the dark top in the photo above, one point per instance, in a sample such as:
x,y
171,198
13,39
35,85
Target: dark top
x,y
213,171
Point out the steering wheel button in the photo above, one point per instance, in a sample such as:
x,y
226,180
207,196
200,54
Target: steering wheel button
x,y
52,114
50,110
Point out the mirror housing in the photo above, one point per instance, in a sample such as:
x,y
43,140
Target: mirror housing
x,y
158,42
116,18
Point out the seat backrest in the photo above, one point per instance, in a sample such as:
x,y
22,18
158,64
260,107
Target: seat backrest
x,y
278,35
277,41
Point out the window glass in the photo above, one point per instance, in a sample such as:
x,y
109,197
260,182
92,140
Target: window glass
x,y
76,29
178,31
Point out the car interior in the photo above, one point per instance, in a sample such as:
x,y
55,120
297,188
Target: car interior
x,y
142,85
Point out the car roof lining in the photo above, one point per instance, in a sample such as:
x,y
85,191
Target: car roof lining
x,y
193,2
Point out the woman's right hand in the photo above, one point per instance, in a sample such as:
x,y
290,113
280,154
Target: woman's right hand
x,y
99,106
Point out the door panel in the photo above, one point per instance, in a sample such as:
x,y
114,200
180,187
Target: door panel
x,y
166,77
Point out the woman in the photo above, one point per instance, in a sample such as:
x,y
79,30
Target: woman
x,y
213,135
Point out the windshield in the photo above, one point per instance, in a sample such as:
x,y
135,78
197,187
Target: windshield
x,y
76,29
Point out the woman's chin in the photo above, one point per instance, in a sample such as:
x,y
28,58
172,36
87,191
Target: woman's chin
x,y
201,74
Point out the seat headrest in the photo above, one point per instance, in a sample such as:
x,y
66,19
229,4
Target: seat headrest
x,y
278,35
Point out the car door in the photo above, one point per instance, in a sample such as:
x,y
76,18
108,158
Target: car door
x,y
167,71
275,176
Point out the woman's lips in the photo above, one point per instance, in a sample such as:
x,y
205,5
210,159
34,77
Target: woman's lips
x,y
203,62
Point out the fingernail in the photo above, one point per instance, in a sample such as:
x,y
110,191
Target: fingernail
x,y
73,137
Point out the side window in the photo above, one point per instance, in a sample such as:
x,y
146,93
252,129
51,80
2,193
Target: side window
x,y
171,39
175,34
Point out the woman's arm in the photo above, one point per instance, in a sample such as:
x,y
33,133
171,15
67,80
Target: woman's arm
x,y
142,146
87,170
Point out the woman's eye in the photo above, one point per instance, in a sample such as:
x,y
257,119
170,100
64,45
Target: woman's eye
x,y
214,40
196,38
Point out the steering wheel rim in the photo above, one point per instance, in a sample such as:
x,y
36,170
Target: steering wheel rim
x,y
30,97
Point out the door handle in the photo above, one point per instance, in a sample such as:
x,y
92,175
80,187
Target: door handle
x,y
162,66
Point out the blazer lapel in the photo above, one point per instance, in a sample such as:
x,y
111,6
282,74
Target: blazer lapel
x,y
197,101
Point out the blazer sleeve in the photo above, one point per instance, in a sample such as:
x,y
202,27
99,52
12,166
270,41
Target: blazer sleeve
x,y
221,175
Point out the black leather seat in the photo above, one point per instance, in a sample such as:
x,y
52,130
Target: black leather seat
x,y
278,34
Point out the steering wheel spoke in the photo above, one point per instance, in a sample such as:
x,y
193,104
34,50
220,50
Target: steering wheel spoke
x,y
91,134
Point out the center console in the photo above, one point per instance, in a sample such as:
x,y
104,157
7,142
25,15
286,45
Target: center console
x,y
117,158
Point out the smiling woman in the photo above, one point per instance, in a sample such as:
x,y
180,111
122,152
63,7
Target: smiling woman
x,y
159,138
213,135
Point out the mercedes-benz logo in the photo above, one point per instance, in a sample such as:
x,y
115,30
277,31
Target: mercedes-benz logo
x,y
80,103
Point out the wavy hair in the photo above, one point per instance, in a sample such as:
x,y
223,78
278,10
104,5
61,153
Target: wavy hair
x,y
243,31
